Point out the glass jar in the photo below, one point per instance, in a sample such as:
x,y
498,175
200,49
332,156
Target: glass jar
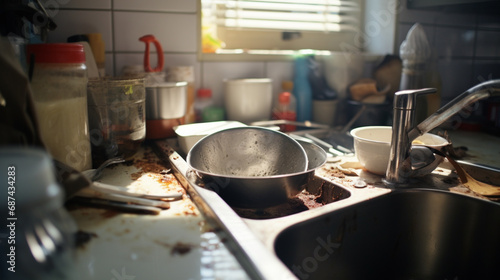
x,y
117,117
59,85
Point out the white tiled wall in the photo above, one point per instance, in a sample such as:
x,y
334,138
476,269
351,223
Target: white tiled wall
x,y
467,44
175,32
187,6
174,23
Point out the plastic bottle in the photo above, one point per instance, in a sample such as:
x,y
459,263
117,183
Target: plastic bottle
x,y
98,50
203,100
204,107
285,110
59,84
302,89
212,114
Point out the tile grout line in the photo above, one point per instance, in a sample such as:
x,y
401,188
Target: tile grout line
x,y
113,49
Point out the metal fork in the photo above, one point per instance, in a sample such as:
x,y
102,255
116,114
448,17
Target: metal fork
x,y
49,241
94,174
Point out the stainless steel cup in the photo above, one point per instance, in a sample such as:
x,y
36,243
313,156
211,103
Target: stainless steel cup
x,y
166,101
165,108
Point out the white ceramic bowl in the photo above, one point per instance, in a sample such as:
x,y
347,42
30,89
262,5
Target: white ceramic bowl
x,y
248,100
372,146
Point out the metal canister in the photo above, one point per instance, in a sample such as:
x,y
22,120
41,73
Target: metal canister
x,y
165,108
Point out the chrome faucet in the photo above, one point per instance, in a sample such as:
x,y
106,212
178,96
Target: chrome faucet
x,y
404,130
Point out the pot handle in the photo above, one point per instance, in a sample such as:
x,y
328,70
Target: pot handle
x,y
159,52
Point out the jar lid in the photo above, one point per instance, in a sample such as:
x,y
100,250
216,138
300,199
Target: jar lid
x,y
56,53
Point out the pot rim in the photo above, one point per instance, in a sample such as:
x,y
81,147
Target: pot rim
x,y
278,176
167,85
249,80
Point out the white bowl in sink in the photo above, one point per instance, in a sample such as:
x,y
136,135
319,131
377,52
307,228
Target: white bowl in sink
x,y
372,145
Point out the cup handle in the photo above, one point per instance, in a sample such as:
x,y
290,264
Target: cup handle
x,y
159,52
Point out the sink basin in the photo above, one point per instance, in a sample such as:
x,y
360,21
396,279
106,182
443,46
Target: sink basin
x,y
406,234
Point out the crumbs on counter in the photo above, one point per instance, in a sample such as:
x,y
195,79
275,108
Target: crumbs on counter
x,y
147,165
191,210
181,248
151,165
333,171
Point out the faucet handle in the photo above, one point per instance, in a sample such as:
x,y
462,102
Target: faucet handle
x,y
407,99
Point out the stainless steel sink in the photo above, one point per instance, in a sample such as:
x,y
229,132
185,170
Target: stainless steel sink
x,y
410,234
373,232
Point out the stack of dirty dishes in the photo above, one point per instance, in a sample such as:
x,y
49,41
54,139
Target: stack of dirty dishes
x,y
252,167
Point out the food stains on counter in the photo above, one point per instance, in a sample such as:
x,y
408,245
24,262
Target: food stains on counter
x,y
177,243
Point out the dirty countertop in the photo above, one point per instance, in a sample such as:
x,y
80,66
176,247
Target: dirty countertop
x,y
176,244
180,243
482,148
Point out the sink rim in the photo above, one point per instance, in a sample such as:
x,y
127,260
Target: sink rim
x,y
357,199
288,234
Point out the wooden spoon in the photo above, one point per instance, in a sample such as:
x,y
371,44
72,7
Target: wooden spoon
x,y
469,182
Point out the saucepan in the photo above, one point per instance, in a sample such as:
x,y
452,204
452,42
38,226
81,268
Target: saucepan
x,y
254,167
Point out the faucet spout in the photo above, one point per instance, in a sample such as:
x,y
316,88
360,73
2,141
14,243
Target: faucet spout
x,y
404,130
474,94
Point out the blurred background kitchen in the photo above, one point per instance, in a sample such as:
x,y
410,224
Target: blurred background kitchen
x,y
237,60
464,38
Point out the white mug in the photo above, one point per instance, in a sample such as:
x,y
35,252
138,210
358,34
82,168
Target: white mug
x,y
248,100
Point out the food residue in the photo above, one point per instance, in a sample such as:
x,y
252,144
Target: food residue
x,y
83,237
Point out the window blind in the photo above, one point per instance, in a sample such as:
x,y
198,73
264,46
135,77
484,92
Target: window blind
x,y
286,15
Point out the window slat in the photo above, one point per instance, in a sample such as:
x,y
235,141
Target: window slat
x,y
314,15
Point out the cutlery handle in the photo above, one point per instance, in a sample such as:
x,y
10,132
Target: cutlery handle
x,y
106,188
95,193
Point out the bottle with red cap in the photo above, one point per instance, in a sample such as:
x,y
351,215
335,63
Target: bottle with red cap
x,y
59,84
285,109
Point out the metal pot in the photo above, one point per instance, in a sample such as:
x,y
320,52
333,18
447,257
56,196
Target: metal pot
x,y
226,159
166,101
166,105
316,156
